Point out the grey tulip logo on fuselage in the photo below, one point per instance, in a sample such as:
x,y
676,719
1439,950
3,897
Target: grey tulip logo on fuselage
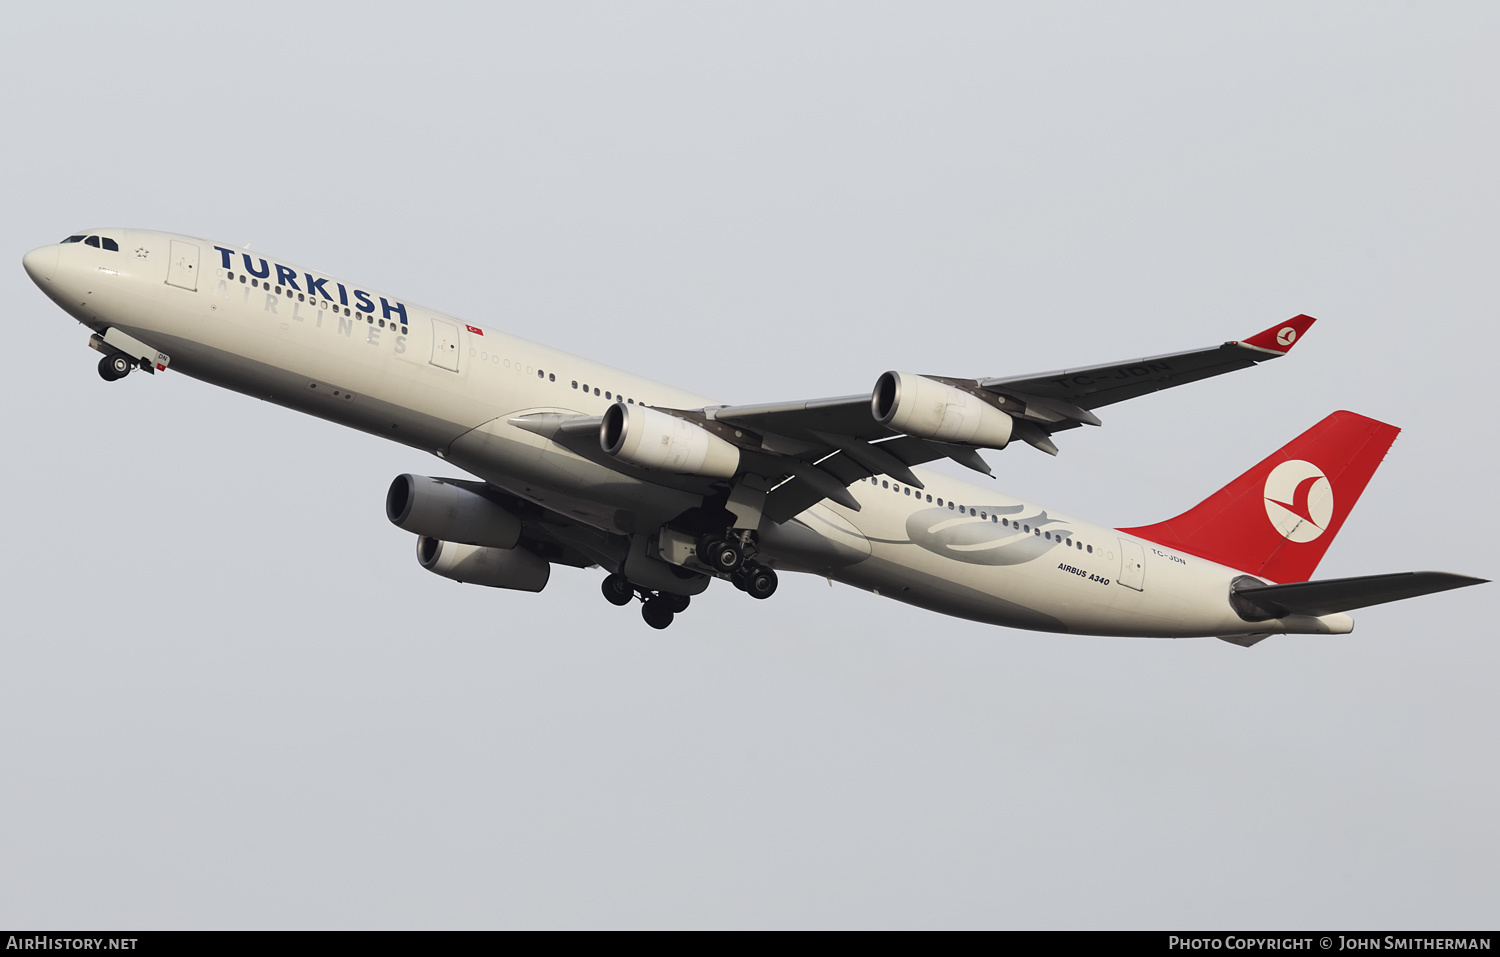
x,y
982,541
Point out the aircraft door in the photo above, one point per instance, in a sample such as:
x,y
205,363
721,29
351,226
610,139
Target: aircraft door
x,y
444,344
182,265
1132,565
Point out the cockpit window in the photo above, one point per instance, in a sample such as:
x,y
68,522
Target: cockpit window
x,y
71,239
110,244
92,241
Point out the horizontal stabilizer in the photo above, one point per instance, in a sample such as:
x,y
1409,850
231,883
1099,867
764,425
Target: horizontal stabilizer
x,y
1343,594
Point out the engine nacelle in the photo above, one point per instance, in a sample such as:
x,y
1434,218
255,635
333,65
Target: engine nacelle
x,y
650,439
930,409
514,568
450,513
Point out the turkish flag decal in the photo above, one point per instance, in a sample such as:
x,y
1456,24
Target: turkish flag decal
x,y
474,329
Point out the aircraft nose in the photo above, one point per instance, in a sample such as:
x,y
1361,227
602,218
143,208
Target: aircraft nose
x,y
41,264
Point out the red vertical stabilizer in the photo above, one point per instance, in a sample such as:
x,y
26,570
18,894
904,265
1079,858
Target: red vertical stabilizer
x,y
1278,519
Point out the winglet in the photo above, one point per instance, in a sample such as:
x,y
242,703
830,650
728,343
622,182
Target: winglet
x,y
1281,337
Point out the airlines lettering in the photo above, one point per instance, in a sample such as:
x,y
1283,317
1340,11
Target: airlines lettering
x,y
346,324
287,276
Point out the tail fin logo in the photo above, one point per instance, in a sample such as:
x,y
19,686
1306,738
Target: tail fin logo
x,y
1286,336
1299,500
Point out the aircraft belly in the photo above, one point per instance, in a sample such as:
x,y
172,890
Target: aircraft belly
x,y
293,389
893,577
816,541
533,467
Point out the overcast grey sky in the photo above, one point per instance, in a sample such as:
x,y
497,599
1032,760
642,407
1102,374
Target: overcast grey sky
x,y
233,699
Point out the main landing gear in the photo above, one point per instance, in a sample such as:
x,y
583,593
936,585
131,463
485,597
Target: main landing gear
x,y
728,555
657,608
114,367
731,558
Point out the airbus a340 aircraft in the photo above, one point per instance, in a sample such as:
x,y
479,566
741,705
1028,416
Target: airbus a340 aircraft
x,y
581,464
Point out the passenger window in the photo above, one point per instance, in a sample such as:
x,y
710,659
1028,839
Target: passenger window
x,y
608,396
994,519
929,498
885,484
1025,528
1091,549
982,515
300,297
551,377
278,290
255,283
575,383
242,277
110,244
907,491
92,241
1047,536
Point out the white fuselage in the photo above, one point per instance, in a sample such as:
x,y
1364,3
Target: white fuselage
x,y
365,359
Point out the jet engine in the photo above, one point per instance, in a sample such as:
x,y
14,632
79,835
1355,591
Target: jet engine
x,y
930,409
514,568
449,512
651,439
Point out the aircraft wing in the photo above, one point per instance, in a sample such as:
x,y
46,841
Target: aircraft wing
x,y
804,451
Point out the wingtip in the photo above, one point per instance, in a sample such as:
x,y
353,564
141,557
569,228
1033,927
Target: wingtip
x,y
1281,337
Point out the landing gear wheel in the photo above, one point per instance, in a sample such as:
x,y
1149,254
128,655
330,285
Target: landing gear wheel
x,y
760,581
618,590
658,614
720,555
678,603
115,367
